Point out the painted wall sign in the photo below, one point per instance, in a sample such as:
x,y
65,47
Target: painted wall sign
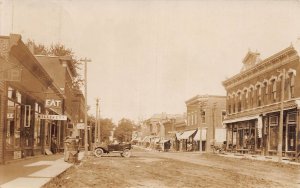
x,y
53,117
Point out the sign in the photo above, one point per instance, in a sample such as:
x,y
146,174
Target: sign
x,y
53,103
53,117
80,125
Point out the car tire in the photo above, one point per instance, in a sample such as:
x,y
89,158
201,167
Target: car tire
x,y
98,152
126,153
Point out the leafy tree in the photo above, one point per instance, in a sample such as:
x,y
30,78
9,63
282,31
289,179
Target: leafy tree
x,y
106,126
124,130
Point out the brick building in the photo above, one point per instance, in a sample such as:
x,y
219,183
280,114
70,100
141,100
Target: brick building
x,y
254,99
23,87
204,112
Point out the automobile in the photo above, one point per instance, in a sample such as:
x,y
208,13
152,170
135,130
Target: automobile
x,y
121,147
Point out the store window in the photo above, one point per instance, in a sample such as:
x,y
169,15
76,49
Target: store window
x,y
273,132
37,125
291,132
13,120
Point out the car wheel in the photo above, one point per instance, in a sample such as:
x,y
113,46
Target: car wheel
x,y
98,152
126,153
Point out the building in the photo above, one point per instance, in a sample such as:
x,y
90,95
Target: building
x,y
256,96
63,72
23,92
204,114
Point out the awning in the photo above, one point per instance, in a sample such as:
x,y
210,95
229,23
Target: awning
x,y
164,141
146,139
240,119
178,135
197,136
186,134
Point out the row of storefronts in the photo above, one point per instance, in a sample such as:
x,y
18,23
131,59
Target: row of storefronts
x,y
34,116
256,98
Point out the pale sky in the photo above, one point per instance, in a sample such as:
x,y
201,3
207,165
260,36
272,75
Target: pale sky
x,y
151,56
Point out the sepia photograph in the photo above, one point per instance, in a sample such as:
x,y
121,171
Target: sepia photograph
x,y
150,93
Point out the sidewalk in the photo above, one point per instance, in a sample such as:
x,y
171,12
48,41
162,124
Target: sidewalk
x,y
33,173
235,155
258,157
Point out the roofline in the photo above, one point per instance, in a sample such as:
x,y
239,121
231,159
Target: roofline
x,y
195,98
272,57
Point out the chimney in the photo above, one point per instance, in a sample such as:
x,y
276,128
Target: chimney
x,y
31,47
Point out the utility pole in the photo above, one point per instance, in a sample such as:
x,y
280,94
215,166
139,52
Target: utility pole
x,y
279,150
85,60
99,124
200,109
213,122
96,121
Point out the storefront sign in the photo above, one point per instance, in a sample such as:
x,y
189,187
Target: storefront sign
x,y
80,125
53,117
17,155
53,103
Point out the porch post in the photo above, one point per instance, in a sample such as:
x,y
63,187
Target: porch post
x,y
297,134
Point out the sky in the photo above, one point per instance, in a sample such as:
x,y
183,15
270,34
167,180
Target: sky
x,y
151,56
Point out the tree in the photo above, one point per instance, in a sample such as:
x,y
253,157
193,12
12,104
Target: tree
x,y
106,126
124,130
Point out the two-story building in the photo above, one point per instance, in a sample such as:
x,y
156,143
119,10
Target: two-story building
x,y
204,117
255,99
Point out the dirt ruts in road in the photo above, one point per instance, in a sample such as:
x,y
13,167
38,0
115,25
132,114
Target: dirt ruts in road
x,y
149,169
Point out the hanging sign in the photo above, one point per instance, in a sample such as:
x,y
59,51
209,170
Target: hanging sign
x,y
53,103
53,117
80,125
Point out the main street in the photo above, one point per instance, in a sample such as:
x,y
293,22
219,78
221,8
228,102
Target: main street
x,y
170,169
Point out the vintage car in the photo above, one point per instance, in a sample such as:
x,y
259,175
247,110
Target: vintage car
x,y
122,148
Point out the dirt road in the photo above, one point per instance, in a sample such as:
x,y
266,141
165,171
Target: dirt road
x,y
157,169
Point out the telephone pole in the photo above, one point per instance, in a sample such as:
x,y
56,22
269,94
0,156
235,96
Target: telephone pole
x,y
99,124
96,122
279,149
85,60
200,109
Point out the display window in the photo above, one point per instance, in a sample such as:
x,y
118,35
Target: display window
x,y
273,133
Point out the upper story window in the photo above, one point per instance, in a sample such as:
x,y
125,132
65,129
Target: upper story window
x,y
223,115
203,119
291,85
239,102
274,90
258,94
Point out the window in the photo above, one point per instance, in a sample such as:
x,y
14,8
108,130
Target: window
x,y
37,126
223,115
239,103
291,132
258,91
246,99
203,116
274,88
273,132
291,86
266,93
